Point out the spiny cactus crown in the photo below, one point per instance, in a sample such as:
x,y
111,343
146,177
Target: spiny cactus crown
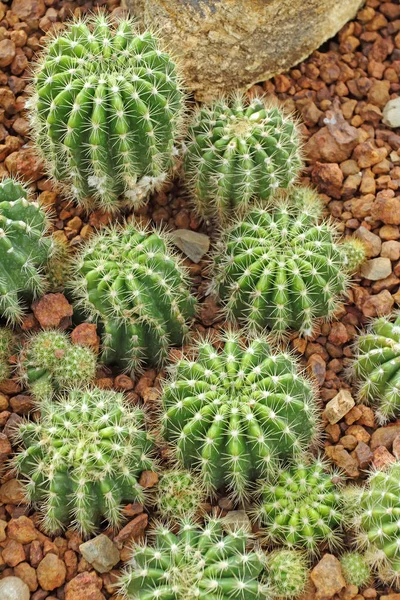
x,y
7,344
179,495
230,413
51,363
302,507
106,110
239,150
132,282
355,569
287,573
195,564
83,458
281,269
24,249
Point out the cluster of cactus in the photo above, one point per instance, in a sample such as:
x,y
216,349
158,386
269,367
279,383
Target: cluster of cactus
x,y
355,569
281,268
83,458
195,563
132,282
106,111
287,573
302,507
7,345
239,151
51,363
230,414
179,495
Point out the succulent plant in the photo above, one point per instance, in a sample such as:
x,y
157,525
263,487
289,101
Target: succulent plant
x,y
239,150
302,507
282,269
106,110
24,249
287,573
83,458
7,345
51,363
229,414
195,563
376,367
179,495
355,569
132,282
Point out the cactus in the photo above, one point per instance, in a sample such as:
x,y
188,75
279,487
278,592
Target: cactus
x,y
239,150
282,269
179,495
355,569
230,414
131,281
106,111
7,345
195,563
83,458
287,573
59,266
24,249
51,363
302,507
376,367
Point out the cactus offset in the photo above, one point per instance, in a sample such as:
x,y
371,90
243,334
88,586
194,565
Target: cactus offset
x,y
282,269
7,345
287,573
179,495
83,459
229,414
355,569
106,111
237,151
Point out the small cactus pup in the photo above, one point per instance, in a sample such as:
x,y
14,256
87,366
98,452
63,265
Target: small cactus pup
x,y
131,281
376,368
355,569
302,507
239,150
195,563
229,414
83,458
7,346
282,268
179,495
24,249
287,573
50,363
106,111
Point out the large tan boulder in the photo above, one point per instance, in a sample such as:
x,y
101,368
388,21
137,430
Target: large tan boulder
x,y
227,44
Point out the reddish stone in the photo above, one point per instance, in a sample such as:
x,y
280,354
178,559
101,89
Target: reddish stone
x,y
133,531
85,334
53,310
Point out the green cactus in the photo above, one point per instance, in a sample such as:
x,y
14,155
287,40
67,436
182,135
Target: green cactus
x,y
24,249
7,346
106,111
195,563
131,281
239,150
179,495
302,507
59,266
355,569
287,573
281,269
50,363
376,367
230,414
83,458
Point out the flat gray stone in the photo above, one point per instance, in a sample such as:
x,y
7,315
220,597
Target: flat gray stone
x,y
376,268
101,553
194,245
236,519
391,113
13,588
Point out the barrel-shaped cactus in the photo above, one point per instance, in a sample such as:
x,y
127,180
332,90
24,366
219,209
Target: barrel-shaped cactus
x,y
282,268
130,280
230,414
239,150
24,249
106,111
179,495
287,573
355,569
83,458
195,563
7,346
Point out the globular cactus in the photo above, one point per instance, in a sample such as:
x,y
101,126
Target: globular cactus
x,y
50,363
281,268
82,459
106,111
302,507
24,249
287,573
355,569
131,281
376,367
229,414
7,346
195,563
239,150
179,495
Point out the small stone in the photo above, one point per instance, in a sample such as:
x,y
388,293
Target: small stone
x,y
13,588
101,553
51,572
195,245
338,406
327,577
12,492
317,366
123,382
148,479
382,458
338,334
22,530
235,520
13,553
359,433
363,454
7,52
376,268
378,305
371,241
349,442
386,208
53,310
85,586
384,436
328,178
133,531
391,113
85,334
28,574
391,250
343,460
396,447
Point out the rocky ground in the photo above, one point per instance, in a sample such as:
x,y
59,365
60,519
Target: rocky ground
x,y
353,159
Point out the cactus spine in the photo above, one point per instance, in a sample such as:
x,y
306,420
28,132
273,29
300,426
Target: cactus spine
x,y
7,344
355,569
287,573
179,495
